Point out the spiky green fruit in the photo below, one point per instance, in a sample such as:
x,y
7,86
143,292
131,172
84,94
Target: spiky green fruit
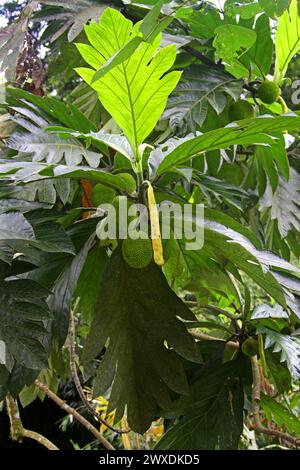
x,y
241,109
250,347
137,253
268,92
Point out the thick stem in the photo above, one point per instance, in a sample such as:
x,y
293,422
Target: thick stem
x,y
214,309
139,175
77,381
40,439
18,432
284,106
68,409
204,337
256,408
200,56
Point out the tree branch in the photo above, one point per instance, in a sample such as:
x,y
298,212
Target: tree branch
x,y
256,408
77,380
221,311
68,409
199,56
18,432
204,337
213,308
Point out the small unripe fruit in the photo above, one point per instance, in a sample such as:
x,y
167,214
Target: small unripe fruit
x,y
268,92
102,195
242,109
137,253
250,347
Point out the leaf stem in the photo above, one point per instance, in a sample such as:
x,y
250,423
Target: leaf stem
x,y
18,432
213,308
256,408
204,337
139,174
71,411
284,106
77,381
200,56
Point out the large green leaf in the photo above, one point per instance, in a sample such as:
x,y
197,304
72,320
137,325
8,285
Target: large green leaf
x,y
60,300
267,311
114,141
280,414
49,108
26,172
52,149
265,165
247,132
45,191
279,373
139,314
19,205
259,56
87,288
194,270
221,189
231,42
13,381
245,9
21,236
15,226
274,7
136,91
21,322
287,39
221,242
150,27
201,87
202,23
212,416
283,204
288,346
86,101
70,16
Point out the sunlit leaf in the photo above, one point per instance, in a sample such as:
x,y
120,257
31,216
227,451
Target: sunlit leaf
x,y
135,92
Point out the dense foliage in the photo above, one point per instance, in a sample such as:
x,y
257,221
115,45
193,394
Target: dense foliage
x,y
133,101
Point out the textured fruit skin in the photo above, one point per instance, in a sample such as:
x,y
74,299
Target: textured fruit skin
x,y
250,347
242,109
137,253
268,92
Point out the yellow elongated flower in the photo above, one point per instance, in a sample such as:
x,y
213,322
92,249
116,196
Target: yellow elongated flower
x,y
155,228
101,408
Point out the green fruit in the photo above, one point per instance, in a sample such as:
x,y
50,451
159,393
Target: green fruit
x,y
268,92
137,253
250,347
242,109
102,195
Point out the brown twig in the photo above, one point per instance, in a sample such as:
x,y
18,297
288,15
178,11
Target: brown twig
x,y
199,56
77,380
68,409
204,337
213,308
256,408
18,432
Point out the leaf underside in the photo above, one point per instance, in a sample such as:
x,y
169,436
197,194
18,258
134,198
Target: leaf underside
x,y
140,315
